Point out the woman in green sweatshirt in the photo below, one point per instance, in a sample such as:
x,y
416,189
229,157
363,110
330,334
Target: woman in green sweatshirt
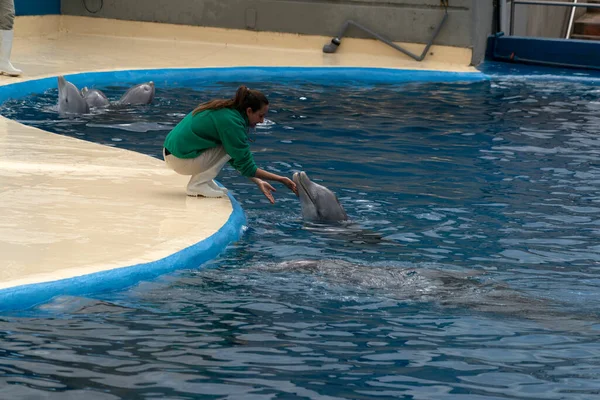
x,y
215,133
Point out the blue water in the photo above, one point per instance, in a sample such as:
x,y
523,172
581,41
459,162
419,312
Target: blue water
x,y
470,270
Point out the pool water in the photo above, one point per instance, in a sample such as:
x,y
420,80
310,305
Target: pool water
x,y
470,268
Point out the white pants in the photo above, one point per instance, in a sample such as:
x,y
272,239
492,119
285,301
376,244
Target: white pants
x,y
203,168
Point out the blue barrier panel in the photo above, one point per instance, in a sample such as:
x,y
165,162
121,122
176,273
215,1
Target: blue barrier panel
x,y
37,7
560,53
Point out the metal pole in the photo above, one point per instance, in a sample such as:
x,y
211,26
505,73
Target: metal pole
x,y
502,13
512,17
556,3
571,20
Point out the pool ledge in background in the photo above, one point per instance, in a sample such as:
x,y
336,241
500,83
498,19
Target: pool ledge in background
x,y
55,44
83,218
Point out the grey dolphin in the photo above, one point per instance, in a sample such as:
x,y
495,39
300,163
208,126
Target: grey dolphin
x,y
317,202
424,284
82,305
94,97
139,94
70,101
467,289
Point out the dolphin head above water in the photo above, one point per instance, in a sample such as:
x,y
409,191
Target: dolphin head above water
x,y
70,101
317,202
139,94
94,97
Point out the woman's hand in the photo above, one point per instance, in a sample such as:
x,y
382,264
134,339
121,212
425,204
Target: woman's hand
x,y
262,174
290,184
266,188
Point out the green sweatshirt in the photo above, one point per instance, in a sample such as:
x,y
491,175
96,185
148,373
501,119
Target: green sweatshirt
x,y
212,128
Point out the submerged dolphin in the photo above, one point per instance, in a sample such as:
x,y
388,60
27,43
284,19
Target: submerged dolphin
x,y
317,202
95,97
70,101
468,289
139,94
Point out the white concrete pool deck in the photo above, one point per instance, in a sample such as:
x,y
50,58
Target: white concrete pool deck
x,y
71,207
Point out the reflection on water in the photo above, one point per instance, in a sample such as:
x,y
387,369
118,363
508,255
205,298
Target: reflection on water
x,y
468,270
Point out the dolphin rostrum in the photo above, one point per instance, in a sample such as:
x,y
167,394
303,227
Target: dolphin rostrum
x,y
70,101
317,202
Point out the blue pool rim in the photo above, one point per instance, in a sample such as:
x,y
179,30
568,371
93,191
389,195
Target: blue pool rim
x,y
27,296
176,77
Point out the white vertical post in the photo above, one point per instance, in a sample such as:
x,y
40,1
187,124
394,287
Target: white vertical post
x,y
570,27
503,13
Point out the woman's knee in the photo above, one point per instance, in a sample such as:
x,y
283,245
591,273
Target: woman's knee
x,y
181,166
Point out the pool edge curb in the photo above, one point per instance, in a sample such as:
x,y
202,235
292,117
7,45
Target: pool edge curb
x,y
26,296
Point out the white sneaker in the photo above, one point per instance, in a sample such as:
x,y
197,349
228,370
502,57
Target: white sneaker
x,y
203,189
214,185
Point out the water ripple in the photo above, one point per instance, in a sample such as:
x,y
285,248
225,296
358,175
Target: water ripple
x,y
469,270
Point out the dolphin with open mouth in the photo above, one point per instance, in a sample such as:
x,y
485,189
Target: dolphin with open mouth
x,y
317,202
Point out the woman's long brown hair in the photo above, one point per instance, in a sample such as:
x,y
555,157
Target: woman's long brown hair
x,y
243,99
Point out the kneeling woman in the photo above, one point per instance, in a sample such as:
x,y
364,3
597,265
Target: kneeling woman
x,y
215,133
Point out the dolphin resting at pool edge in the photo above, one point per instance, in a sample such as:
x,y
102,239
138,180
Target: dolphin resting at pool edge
x,y
95,97
70,100
318,203
139,94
